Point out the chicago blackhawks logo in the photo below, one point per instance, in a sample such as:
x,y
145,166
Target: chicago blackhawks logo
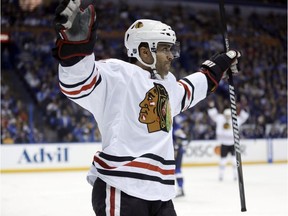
x,y
226,126
155,109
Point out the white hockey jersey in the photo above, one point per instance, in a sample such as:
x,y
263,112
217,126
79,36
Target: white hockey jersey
x,y
224,127
134,114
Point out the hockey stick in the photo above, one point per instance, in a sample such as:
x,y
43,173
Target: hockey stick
x,y
233,109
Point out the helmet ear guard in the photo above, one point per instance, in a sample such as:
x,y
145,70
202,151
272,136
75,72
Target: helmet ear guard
x,y
151,32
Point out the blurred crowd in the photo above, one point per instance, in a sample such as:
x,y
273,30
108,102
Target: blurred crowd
x,y
261,87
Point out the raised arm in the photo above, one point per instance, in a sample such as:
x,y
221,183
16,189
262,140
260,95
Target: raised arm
x,y
197,87
75,25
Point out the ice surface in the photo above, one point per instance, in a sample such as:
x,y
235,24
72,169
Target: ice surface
x,y
68,193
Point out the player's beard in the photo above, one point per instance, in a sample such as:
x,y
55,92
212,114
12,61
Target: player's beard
x,y
164,69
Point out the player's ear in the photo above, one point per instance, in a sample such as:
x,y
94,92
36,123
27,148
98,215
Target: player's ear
x,y
145,55
143,51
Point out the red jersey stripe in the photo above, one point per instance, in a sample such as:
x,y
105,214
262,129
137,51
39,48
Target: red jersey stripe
x,y
187,89
150,167
112,201
83,88
102,163
138,165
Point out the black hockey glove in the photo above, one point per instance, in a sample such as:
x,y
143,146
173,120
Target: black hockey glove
x,y
75,25
216,67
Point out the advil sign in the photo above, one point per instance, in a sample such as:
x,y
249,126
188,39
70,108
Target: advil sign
x,y
43,156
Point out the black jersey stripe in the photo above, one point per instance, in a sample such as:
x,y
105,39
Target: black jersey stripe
x,y
134,175
129,158
85,95
183,101
79,83
158,158
116,158
192,87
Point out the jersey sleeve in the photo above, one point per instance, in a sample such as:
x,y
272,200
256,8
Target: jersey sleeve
x,y
78,82
194,89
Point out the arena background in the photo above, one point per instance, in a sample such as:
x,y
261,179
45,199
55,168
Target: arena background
x,y
34,111
44,131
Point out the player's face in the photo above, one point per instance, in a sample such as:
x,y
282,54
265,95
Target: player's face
x,y
164,58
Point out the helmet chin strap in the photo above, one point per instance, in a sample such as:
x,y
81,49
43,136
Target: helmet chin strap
x,y
152,66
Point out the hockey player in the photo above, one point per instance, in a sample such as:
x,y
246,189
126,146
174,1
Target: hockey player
x,y
133,104
224,134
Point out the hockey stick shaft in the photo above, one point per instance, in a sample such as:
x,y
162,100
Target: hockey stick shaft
x,y
232,96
